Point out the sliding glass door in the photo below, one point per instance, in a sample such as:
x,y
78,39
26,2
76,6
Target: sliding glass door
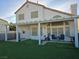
x,y
57,31
54,31
60,31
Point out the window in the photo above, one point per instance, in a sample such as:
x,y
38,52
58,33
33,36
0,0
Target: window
x,y
48,30
41,31
67,22
34,31
67,31
60,31
34,14
21,17
54,31
57,16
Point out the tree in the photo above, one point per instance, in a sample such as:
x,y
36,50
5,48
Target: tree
x,y
12,27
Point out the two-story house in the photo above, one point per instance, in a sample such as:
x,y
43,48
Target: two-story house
x,y
35,21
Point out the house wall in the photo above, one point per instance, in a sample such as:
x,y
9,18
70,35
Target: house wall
x,y
27,9
32,8
49,14
21,11
2,28
2,31
3,22
24,31
3,25
43,13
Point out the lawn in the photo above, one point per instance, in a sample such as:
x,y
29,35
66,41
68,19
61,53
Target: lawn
x,y
31,50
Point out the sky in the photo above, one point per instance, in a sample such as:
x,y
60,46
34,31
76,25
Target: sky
x,y
8,7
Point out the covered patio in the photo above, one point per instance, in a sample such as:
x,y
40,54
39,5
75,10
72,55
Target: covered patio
x,y
60,30
56,27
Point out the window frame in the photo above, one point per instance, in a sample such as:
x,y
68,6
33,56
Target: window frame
x,y
34,14
21,16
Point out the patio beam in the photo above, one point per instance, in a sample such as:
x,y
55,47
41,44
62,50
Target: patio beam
x,y
76,32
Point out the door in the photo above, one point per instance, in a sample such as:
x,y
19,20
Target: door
x,y
57,31
60,31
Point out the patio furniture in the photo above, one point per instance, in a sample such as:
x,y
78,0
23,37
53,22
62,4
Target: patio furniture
x,y
53,36
48,36
73,40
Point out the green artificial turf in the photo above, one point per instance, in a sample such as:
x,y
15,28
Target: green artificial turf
x,y
31,50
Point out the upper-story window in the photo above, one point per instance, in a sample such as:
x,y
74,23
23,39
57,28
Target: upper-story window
x,y
57,17
34,14
21,16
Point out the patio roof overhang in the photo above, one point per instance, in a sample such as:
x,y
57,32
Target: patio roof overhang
x,y
46,21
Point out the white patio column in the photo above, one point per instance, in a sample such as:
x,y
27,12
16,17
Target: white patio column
x,y
76,32
6,33
50,30
64,29
17,39
39,34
